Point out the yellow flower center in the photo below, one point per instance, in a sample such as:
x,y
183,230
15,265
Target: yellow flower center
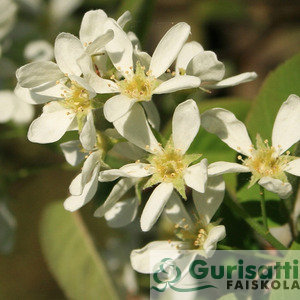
x,y
265,162
169,166
195,236
139,85
77,98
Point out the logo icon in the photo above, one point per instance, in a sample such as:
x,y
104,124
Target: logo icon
x,y
168,274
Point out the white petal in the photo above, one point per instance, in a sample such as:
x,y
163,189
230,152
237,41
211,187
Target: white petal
x,y
228,128
134,170
88,134
233,81
283,189
196,176
215,235
122,213
176,211
188,51
99,84
168,48
286,130
120,49
185,124
137,170
206,66
208,203
111,175
155,205
140,258
177,83
129,151
134,40
224,167
124,19
92,25
49,91
72,153
75,202
143,57
28,96
7,105
50,126
134,127
293,167
116,107
283,234
37,73
76,185
84,84
117,192
100,42
152,114
89,166
67,49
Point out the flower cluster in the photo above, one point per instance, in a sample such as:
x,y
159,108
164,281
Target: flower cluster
x,y
105,70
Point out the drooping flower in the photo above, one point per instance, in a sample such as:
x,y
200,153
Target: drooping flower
x,y
12,108
196,232
141,76
194,60
169,167
84,186
117,212
267,164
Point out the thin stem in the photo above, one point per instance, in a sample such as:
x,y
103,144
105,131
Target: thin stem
x,y
263,208
240,211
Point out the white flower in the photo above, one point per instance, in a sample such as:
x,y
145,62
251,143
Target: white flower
x,y
142,76
193,60
12,108
168,167
39,50
267,164
119,213
195,234
73,111
84,186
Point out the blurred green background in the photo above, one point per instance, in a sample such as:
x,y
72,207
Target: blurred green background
x,y
246,36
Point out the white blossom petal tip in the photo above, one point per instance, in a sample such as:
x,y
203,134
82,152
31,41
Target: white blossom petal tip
x,y
185,124
228,128
155,205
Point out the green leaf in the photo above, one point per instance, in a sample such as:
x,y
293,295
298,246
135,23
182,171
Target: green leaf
x,y
275,90
72,256
295,246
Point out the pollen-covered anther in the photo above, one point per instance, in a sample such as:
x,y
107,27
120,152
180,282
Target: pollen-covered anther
x,y
137,161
